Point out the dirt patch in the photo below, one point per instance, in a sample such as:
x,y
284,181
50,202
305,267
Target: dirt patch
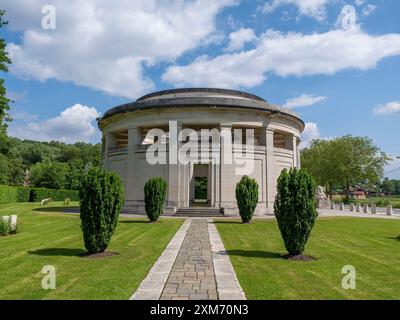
x,y
99,255
298,257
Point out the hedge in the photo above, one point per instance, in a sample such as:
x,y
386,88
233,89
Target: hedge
x,y
9,194
38,194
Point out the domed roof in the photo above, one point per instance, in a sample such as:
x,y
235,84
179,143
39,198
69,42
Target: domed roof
x,y
199,97
200,92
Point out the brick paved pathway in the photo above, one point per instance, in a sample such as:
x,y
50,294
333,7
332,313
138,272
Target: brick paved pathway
x,y
192,276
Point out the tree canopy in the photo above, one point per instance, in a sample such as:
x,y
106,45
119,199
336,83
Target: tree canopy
x,y
4,62
345,161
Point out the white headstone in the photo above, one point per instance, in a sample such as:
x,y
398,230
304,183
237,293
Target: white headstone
x,y
341,207
13,222
366,208
373,208
351,206
389,210
358,207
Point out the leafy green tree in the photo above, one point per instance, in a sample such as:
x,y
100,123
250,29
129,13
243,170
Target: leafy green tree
x,y
101,197
155,192
4,62
11,171
344,161
388,186
397,187
74,174
295,208
49,175
246,197
4,168
32,154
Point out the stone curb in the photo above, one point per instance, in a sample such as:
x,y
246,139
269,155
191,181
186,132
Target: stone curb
x,y
228,286
152,286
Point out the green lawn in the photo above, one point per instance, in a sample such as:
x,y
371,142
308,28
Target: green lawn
x,y
372,246
48,238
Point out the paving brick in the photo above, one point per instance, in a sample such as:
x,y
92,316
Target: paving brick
x,y
192,275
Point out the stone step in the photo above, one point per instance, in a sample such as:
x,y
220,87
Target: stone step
x,y
199,212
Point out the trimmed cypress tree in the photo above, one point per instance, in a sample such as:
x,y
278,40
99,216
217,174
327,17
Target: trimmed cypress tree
x,y
246,197
101,195
295,208
155,192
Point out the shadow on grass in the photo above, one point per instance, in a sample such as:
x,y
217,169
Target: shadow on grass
x,y
58,209
255,254
230,222
394,238
65,252
134,221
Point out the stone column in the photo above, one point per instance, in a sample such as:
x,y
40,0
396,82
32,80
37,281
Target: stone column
x,y
270,167
134,139
227,173
358,207
298,155
110,142
174,174
366,208
389,210
351,207
294,148
373,208
341,206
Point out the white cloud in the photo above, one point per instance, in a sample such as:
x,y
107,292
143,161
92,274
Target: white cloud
x,y
22,115
303,100
71,125
388,108
239,38
105,44
369,9
359,2
290,54
311,8
310,133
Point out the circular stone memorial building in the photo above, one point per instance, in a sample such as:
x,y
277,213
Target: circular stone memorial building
x,y
201,141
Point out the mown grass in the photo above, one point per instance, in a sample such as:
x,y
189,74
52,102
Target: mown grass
x,y
372,246
50,238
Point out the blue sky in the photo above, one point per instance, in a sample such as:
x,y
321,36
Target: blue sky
x,y
340,78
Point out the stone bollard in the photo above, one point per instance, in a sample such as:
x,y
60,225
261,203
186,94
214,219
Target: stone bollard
x,y
366,208
373,208
341,206
389,210
358,207
351,207
332,205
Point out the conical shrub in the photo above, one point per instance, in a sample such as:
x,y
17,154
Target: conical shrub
x,y
246,197
101,195
155,192
295,208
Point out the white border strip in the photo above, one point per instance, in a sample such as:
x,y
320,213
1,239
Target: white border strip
x,y
228,286
152,286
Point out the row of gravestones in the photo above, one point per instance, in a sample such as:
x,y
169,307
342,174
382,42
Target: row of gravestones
x,y
365,208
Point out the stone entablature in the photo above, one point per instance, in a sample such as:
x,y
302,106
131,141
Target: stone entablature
x,y
126,142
